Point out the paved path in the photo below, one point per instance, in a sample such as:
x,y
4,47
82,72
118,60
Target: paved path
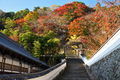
x,y
74,71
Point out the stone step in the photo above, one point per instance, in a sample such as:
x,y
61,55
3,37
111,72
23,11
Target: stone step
x,y
74,79
75,75
74,71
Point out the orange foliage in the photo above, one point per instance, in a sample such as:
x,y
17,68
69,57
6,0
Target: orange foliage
x,y
78,26
20,21
14,37
38,30
31,16
72,10
100,25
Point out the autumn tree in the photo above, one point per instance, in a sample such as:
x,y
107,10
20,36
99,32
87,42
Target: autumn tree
x,y
111,2
21,14
60,20
19,22
15,36
31,16
53,7
45,11
36,8
97,6
72,10
95,28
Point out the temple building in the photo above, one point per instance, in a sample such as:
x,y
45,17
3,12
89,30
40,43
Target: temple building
x,y
14,59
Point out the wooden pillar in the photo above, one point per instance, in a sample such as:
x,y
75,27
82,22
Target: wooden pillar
x,y
12,66
31,69
2,52
31,66
4,64
28,68
20,67
24,67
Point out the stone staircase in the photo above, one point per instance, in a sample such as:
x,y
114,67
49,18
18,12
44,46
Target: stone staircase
x,y
74,71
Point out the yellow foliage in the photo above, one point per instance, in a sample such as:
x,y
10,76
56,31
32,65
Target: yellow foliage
x,y
31,16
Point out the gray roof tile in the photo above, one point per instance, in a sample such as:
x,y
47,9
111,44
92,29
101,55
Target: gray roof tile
x,y
9,43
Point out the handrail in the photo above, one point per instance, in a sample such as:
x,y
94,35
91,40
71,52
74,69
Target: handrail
x,y
31,75
110,45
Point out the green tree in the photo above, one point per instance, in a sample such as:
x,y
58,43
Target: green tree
x,y
6,32
40,45
36,8
27,39
49,35
10,24
50,44
26,28
21,14
2,14
36,49
53,46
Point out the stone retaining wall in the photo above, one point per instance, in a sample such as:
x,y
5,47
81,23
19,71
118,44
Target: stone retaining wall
x,y
107,68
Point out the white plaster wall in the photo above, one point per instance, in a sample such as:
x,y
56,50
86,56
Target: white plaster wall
x,y
105,50
22,63
28,68
16,62
26,65
35,68
8,59
51,74
0,57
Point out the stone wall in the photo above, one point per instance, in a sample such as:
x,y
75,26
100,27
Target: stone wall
x,y
107,68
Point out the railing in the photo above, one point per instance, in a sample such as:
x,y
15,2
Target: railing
x,y
12,68
109,46
47,74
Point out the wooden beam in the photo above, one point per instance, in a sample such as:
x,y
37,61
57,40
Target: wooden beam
x,y
20,58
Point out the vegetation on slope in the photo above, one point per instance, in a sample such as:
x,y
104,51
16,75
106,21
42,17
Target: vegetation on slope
x,y
42,30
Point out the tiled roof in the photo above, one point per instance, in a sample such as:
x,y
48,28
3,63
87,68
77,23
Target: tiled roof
x,y
12,45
